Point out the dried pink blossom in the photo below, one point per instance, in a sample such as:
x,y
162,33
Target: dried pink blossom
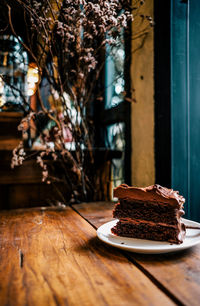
x,y
18,155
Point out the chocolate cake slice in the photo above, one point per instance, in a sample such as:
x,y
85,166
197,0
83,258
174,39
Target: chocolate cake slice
x,y
151,213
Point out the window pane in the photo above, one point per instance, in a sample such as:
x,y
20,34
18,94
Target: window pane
x,y
114,74
116,141
13,68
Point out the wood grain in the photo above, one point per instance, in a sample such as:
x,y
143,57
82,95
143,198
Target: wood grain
x,y
97,213
179,273
50,257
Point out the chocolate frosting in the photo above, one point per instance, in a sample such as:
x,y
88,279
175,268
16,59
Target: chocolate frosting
x,y
153,193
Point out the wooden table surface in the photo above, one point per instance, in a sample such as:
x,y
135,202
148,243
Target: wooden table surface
x,y
51,256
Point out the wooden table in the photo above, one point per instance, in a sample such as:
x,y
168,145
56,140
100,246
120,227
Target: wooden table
x,y
51,256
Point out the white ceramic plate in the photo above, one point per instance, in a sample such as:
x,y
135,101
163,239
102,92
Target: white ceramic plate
x,y
148,246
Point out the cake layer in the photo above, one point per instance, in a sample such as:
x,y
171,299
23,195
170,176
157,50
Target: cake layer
x,y
150,232
155,212
153,193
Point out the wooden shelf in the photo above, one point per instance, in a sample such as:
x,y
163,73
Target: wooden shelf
x,y
10,136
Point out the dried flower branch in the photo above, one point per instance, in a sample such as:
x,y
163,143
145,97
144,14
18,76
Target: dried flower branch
x,y
67,39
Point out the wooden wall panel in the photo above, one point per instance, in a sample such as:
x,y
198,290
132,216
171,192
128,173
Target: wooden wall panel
x,y
142,115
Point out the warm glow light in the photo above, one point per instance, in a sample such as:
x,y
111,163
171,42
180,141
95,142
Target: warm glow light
x,y
33,72
2,101
30,92
32,79
2,97
1,85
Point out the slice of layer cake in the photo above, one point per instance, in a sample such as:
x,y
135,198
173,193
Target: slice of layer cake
x,y
151,213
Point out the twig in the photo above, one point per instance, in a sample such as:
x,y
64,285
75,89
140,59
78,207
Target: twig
x,y
192,227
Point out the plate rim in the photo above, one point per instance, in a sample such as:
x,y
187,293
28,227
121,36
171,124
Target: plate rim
x,y
168,247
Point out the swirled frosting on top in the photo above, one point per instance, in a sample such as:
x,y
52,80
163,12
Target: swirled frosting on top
x,y
154,194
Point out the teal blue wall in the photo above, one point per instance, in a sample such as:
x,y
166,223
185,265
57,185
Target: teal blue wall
x,y
185,102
